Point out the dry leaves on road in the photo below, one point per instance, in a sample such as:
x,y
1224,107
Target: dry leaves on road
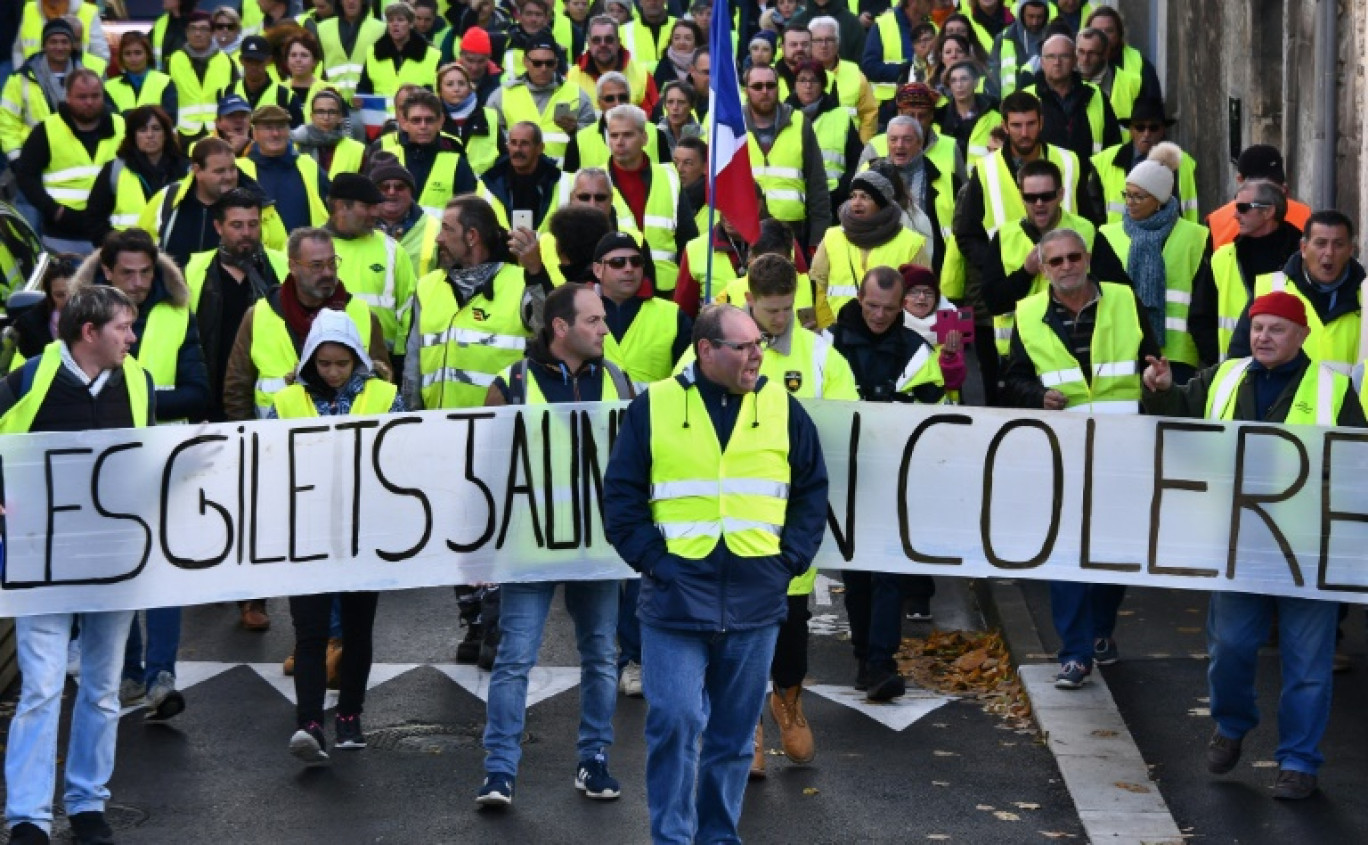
x,y
968,664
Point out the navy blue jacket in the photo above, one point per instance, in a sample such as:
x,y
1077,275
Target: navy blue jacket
x,y
720,592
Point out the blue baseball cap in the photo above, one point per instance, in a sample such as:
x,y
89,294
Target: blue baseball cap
x,y
233,104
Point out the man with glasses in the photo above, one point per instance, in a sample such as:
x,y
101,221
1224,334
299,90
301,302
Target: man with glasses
x,y
605,53
589,147
1074,114
786,158
1259,161
852,90
273,329
540,95
1017,271
891,363
1264,244
1079,346
524,178
1148,125
647,334
713,586
888,46
1120,85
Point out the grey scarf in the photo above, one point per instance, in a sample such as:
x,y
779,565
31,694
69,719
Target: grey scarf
x,y
468,280
1145,262
53,89
876,230
309,139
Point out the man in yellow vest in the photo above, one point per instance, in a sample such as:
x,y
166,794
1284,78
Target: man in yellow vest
x,y
35,19
658,209
1327,277
472,317
1108,21
889,45
589,146
37,86
853,90
1017,273
401,218
1265,242
296,182
83,380
1279,383
525,178
399,57
347,39
726,430
61,159
436,161
991,199
227,280
200,72
1079,346
647,37
540,94
786,158
647,334
605,52
564,363
256,85
1121,87
1014,56
372,265
1076,116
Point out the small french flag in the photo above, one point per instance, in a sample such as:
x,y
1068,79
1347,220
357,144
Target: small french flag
x,y
731,185
373,111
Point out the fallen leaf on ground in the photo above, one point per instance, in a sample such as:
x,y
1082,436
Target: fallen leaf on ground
x,y
1265,764
968,664
1132,787
1026,805
938,837
985,807
811,790
939,753
1005,816
940,783
1103,733
1056,834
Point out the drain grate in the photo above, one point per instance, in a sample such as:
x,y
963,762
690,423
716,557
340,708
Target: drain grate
x,y
426,738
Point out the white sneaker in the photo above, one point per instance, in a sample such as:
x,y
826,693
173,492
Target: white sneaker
x,y
629,683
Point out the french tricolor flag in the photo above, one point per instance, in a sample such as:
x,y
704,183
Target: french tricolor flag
x,y
731,186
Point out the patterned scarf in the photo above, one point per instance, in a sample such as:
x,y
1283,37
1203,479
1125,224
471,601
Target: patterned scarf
x,y
1145,263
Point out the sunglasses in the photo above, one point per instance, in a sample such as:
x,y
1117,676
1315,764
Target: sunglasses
x,y
616,98
1146,127
1070,257
224,27
622,261
1244,207
763,86
1032,199
592,197
603,39
543,63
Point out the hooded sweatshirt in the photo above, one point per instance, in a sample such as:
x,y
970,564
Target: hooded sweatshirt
x,y
335,327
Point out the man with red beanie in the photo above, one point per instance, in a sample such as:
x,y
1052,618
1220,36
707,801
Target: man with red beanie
x,y
1278,383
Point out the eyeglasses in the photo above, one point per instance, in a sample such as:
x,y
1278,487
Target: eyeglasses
x,y
421,121
327,112
615,98
763,86
1244,207
1146,127
742,345
603,39
1070,257
1131,196
1032,199
318,266
543,63
921,293
592,197
224,27
621,261
827,40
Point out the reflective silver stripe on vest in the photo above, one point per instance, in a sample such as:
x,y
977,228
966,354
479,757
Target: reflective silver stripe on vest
x,y
1227,386
1175,324
1190,204
471,337
1227,323
1003,332
842,290
1325,396
1114,369
549,138
784,194
914,366
337,70
459,376
666,490
72,194
123,220
779,172
729,525
819,359
70,173
995,197
1116,208
1182,297
658,222
1054,378
376,300
1278,281
1114,407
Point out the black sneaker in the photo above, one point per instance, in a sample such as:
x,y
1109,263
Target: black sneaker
x,y
468,649
349,734
1294,786
28,833
885,684
309,747
497,790
90,828
1105,652
163,699
1222,753
592,778
489,649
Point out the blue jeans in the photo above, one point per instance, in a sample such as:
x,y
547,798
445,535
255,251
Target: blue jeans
x,y
163,642
708,684
1083,613
593,607
1237,625
873,602
628,626
31,756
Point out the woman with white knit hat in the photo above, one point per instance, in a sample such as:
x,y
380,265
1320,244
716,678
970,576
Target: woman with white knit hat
x,y
1163,254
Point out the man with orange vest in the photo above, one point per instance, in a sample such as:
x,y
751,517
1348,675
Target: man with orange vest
x,y
1259,161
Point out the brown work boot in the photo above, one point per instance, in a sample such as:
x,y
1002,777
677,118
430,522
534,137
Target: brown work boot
x,y
287,667
333,661
794,734
757,770
254,616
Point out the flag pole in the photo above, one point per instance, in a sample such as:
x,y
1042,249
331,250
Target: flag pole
x,y
712,194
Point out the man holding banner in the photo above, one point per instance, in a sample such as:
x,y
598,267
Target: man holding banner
x,y
716,493
1279,383
1077,347
84,380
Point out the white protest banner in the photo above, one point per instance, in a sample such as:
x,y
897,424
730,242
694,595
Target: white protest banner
x,y
192,514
